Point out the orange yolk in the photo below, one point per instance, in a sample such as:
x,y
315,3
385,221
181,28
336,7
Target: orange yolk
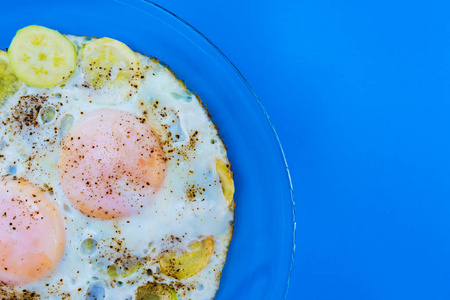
x,y
111,164
32,236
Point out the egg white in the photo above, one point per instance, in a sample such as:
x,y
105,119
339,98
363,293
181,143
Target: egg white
x,y
175,219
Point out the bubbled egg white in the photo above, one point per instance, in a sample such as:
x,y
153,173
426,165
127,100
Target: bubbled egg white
x,y
187,206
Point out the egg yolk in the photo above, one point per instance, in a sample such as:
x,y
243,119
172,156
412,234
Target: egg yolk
x,y
32,234
111,164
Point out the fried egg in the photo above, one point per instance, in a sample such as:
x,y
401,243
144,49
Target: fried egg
x,y
115,182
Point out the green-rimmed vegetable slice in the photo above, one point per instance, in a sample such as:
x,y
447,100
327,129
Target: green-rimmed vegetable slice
x,y
155,291
188,263
9,84
42,57
110,64
226,180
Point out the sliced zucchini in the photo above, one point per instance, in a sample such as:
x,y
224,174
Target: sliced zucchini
x,y
42,57
112,271
226,180
155,291
188,263
9,84
110,64
132,269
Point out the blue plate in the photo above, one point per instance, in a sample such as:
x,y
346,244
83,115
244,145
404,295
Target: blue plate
x,y
260,255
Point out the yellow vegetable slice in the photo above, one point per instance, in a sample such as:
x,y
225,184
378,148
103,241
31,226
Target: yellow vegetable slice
x,y
42,57
110,64
115,271
132,269
9,84
226,181
155,291
112,271
188,263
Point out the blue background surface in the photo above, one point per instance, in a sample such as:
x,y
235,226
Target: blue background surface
x,y
358,92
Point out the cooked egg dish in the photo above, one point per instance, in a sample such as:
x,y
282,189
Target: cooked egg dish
x,y
115,183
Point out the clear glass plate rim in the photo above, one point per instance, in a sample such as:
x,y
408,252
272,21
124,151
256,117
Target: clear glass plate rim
x,y
236,70
255,97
